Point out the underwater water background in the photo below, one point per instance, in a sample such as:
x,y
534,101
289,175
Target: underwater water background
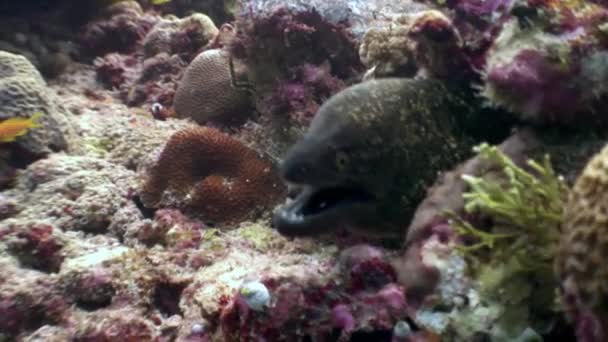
x,y
275,170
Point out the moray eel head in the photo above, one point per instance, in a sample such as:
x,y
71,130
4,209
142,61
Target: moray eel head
x,y
326,197
374,149
347,166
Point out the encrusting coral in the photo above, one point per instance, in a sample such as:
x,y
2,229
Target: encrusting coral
x,y
548,64
212,174
296,58
424,40
206,91
581,262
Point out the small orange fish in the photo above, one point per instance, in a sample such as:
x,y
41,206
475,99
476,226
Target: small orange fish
x,y
15,127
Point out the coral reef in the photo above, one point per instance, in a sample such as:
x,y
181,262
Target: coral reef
x,y
425,40
282,47
582,251
183,37
72,192
332,306
206,171
544,69
159,49
40,34
538,59
120,28
23,93
206,91
121,239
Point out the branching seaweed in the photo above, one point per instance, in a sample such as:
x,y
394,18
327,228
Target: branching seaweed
x,y
515,253
525,208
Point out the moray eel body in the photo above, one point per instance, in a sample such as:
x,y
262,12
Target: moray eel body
x,y
371,152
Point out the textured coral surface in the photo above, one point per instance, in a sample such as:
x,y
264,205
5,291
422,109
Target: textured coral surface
x,y
212,174
23,92
584,247
206,91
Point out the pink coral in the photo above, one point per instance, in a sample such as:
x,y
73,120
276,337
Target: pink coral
x,y
185,232
302,96
114,70
29,305
35,246
296,59
323,307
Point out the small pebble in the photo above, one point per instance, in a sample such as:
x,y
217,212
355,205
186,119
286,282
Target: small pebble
x,y
256,295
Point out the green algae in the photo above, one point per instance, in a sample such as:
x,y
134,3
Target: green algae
x,y
512,261
524,206
260,236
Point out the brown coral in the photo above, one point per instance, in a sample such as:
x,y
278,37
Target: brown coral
x,y
206,91
212,174
581,262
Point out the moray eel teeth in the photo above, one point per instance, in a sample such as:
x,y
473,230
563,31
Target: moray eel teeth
x,y
314,206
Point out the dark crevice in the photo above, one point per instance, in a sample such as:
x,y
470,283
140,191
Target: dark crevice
x,y
167,297
93,305
145,211
368,336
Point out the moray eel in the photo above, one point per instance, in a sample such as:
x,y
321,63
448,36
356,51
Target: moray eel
x,y
371,152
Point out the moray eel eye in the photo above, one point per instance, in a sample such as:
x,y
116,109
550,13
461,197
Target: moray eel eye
x,y
341,160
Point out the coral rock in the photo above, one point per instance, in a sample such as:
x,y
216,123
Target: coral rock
x,y
277,44
553,69
180,36
27,302
388,49
212,174
23,92
73,192
119,29
90,288
425,40
119,325
584,244
35,246
206,91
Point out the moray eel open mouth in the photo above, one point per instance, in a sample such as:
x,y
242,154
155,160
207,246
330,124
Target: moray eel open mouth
x,y
314,208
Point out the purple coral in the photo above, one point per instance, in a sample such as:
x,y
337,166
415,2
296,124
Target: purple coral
x,y
482,7
114,70
158,51
296,58
35,246
317,308
29,304
534,83
302,96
